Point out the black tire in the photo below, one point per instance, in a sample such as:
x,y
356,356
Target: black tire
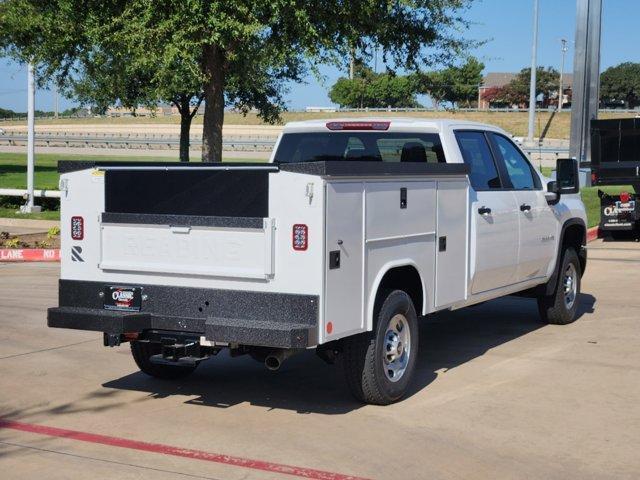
x,y
142,352
555,308
620,235
364,354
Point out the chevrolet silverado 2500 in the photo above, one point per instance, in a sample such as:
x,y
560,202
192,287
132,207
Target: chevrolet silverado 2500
x,y
350,233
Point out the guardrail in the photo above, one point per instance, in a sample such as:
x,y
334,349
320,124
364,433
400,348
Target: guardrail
x,y
129,141
151,142
19,192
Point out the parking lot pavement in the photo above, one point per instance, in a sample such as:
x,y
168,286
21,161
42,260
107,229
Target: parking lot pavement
x,y
497,395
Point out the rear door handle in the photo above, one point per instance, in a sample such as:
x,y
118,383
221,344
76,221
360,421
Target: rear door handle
x,y
525,208
484,211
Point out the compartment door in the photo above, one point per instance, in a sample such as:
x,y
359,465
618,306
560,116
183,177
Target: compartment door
x,y
343,260
451,246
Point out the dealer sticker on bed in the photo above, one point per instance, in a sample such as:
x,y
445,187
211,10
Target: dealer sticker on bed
x,y
123,298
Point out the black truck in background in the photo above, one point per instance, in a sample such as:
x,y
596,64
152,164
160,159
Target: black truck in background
x,y
615,160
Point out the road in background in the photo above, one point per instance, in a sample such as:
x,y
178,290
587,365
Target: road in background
x,y
497,395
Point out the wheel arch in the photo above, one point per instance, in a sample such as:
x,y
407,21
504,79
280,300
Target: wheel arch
x,y
573,234
402,275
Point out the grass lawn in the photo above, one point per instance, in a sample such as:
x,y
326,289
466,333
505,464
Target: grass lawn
x,y
592,202
12,212
13,167
590,197
13,175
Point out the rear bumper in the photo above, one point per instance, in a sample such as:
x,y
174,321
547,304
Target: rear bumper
x,y
245,318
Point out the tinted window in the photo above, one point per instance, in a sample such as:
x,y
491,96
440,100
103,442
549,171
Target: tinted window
x,y
477,154
416,149
362,146
518,167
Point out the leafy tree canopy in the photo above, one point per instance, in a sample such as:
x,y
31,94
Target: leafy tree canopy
x,y
375,90
621,83
547,83
240,53
455,84
516,92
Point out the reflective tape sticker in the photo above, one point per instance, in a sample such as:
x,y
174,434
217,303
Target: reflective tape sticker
x,y
75,254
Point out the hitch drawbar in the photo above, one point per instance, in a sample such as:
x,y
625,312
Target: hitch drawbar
x,y
188,353
174,350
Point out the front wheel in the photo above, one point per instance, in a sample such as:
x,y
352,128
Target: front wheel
x,y
560,307
379,365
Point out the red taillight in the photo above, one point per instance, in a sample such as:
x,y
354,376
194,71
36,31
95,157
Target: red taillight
x,y
300,237
625,197
77,228
358,125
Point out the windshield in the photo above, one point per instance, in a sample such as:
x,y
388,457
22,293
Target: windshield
x,y
360,146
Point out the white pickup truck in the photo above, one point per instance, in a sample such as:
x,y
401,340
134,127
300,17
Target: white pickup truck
x,y
353,230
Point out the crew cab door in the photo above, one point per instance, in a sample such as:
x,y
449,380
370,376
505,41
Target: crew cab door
x,y
536,221
494,216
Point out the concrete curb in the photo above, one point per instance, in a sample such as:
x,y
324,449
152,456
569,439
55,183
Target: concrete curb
x,y
592,234
29,255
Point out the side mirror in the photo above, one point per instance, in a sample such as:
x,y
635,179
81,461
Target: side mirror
x,y
567,176
553,193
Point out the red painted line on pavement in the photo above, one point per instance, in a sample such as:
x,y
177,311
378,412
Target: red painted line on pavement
x,y
175,451
29,254
592,234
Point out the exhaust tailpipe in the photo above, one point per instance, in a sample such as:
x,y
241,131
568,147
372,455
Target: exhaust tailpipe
x,y
276,358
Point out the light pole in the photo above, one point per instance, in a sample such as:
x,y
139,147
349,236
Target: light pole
x,y
565,48
31,98
586,77
534,67
57,104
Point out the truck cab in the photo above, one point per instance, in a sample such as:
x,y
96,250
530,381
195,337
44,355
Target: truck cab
x,y
352,231
515,223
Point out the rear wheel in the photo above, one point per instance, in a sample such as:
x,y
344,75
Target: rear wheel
x,y
560,307
379,365
142,352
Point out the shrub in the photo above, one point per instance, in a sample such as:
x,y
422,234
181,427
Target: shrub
x,y
12,243
53,232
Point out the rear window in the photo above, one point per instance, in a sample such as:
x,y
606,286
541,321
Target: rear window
x,y
360,146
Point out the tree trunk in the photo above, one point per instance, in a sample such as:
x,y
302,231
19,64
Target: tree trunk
x,y
214,104
185,128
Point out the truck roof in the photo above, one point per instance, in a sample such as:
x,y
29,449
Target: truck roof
x,y
395,124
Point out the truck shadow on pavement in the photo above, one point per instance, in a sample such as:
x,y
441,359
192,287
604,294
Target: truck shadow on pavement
x,y
306,384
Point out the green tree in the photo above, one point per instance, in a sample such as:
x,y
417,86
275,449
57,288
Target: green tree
x,y
466,80
455,84
436,84
547,84
374,90
137,79
621,83
241,53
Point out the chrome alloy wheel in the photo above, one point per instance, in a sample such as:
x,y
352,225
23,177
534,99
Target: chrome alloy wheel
x,y
397,347
570,285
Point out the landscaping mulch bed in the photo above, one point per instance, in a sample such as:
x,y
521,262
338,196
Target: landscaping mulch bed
x,y
29,240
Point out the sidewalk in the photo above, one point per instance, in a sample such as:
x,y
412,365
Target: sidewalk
x,y
21,226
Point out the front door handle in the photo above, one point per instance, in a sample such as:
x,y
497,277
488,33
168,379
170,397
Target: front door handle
x,y
525,208
484,211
